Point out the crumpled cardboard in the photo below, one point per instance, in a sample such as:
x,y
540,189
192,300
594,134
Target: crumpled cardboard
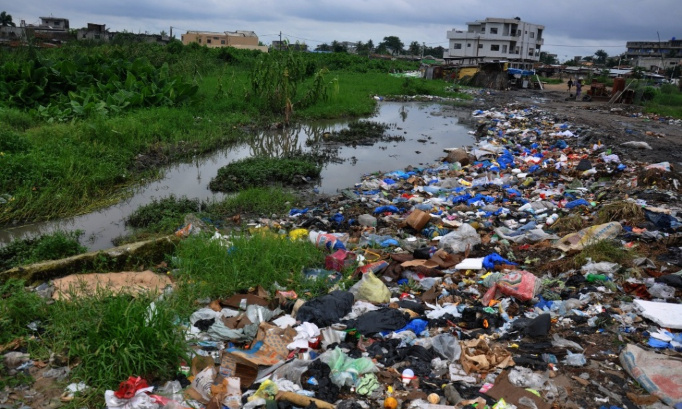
x,y
269,348
478,356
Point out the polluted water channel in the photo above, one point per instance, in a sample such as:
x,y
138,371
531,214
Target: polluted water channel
x,y
417,134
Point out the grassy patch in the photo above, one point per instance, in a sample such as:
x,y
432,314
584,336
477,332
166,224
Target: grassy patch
x,y
568,224
52,246
263,171
358,131
215,269
18,308
604,250
254,201
618,211
163,215
115,336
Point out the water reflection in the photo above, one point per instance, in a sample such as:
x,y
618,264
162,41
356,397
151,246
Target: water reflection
x,y
426,132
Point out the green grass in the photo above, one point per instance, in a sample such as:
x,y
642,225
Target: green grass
x,y
211,268
254,201
604,250
666,102
18,308
263,171
51,246
163,215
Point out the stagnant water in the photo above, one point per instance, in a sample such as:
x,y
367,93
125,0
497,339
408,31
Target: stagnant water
x,y
428,128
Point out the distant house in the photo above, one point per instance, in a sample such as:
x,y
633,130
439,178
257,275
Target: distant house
x,y
237,39
50,30
654,55
496,40
95,32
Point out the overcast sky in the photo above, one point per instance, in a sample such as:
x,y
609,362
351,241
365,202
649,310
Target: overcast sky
x,y
575,27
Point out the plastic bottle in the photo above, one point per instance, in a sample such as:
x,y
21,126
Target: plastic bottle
x,y
367,220
591,278
552,219
326,240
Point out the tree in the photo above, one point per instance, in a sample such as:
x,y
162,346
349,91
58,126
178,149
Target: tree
x,y
436,52
6,20
370,45
601,56
414,48
323,47
337,47
547,58
393,44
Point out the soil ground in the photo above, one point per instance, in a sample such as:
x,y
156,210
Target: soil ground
x,y
612,124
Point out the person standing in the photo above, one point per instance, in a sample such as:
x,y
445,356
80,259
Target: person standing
x,y
570,84
578,88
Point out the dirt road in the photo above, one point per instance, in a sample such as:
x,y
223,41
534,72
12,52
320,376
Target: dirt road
x,y
612,124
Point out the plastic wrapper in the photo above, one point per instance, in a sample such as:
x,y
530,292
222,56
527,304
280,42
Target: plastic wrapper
x,y
575,359
447,346
589,235
521,285
345,371
292,371
371,289
459,240
557,341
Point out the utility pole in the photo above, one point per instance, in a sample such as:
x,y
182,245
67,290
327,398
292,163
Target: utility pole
x,y
423,48
171,31
280,41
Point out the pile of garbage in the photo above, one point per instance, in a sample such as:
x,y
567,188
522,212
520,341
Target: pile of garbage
x,y
537,269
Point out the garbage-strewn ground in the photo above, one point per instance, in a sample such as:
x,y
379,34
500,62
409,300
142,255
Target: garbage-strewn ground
x,y
537,269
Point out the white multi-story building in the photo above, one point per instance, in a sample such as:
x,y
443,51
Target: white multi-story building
x,y
495,40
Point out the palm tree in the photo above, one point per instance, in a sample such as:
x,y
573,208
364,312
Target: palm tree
x,y
6,20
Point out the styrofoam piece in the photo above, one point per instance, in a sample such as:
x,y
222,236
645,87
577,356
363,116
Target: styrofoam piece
x,y
470,264
664,314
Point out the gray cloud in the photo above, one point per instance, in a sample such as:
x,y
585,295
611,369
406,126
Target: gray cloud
x,y
577,27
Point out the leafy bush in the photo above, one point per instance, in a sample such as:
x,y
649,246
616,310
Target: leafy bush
x,y
89,85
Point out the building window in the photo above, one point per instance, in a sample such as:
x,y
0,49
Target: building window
x,y
222,41
480,46
216,38
504,48
532,34
199,40
531,52
493,30
208,41
482,29
457,46
469,45
494,47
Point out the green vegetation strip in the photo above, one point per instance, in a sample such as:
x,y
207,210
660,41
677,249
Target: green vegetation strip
x,y
263,171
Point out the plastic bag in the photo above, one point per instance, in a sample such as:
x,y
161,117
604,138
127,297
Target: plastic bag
x,y
447,346
557,341
590,235
459,240
292,371
575,359
345,371
371,289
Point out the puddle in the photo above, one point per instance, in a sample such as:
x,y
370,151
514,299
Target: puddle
x,y
427,128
